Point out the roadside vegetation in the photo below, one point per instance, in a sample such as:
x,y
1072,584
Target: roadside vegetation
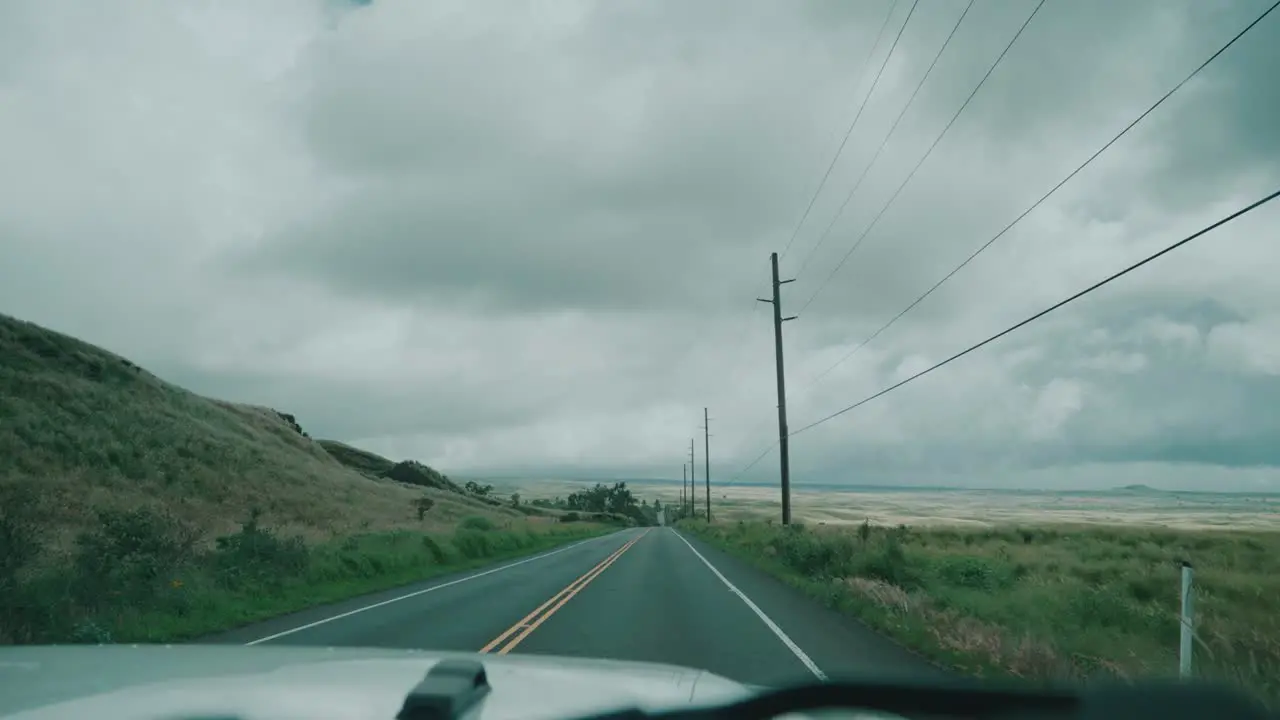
x,y
134,510
1055,604
142,575
605,503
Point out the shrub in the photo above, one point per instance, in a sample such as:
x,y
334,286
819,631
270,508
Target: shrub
x,y
20,513
472,544
257,555
476,522
129,557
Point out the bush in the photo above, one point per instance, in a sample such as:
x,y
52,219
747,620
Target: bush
x,y
256,555
572,516
415,473
20,516
476,522
130,557
472,544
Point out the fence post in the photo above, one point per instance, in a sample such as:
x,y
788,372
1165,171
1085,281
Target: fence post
x,y
1187,623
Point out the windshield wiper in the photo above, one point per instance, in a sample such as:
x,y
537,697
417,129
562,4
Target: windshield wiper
x,y
1155,700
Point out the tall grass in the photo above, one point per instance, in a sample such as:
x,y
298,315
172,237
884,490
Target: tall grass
x,y
1044,604
142,575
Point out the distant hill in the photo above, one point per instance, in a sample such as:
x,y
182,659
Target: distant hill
x,y
363,461
1139,489
91,430
375,466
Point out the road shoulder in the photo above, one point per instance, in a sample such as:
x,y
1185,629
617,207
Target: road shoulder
x,y
841,646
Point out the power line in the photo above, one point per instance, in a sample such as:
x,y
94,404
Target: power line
x,y
847,133
1052,190
822,238
1046,311
926,155
822,184
751,464
892,128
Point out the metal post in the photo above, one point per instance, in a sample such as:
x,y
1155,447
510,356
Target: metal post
x,y
1187,623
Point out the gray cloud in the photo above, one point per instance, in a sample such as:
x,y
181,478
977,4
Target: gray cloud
x,y
526,238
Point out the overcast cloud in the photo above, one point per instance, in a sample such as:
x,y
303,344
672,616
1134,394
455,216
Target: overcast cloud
x,y
527,237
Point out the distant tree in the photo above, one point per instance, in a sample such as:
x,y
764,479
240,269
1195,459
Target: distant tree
x,y
515,499
476,488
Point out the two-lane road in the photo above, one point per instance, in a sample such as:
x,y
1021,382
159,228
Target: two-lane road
x,y
648,594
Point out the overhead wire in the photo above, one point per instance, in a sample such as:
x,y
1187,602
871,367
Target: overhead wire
x,y
840,212
871,90
1051,191
866,65
924,157
751,464
1219,223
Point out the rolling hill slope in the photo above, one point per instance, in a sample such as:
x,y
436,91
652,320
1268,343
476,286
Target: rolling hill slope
x,y
91,430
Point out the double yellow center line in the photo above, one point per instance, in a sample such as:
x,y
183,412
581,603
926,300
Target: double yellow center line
x,y
530,622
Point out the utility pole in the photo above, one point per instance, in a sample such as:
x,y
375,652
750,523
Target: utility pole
x,y
782,387
706,458
684,484
693,481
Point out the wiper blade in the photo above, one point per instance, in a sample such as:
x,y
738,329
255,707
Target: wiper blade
x,y
961,699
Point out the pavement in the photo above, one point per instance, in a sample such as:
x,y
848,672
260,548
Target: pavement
x,y
648,594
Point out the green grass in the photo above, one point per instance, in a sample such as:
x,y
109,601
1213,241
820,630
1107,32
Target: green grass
x,y
1043,604
140,576
123,506
337,571
93,431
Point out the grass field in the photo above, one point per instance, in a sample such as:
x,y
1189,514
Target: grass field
x,y
1044,603
132,509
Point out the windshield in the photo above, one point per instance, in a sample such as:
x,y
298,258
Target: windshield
x,y
755,344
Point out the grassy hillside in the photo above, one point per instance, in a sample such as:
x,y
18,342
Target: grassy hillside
x,y
362,461
95,431
1043,603
119,490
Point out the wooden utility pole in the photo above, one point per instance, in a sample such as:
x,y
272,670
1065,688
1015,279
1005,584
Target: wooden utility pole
x,y
782,387
684,484
706,459
693,481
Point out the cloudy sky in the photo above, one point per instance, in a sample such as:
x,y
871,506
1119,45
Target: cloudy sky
x,y
528,237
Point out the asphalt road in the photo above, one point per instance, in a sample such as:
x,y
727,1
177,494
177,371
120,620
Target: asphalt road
x,y
650,594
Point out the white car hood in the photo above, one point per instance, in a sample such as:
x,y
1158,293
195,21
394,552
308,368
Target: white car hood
x,y
284,683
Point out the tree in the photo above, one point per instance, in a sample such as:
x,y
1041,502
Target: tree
x,y
476,488
515,499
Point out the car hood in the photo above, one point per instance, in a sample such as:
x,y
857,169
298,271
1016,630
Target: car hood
x,y
279,683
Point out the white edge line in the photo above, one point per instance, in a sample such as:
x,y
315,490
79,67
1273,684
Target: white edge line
x,y
791,645
424,591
